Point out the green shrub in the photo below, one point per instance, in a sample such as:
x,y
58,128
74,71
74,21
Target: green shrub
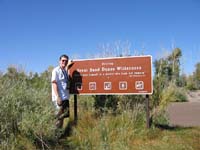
x,y
172,93
181,95
26,111
161,118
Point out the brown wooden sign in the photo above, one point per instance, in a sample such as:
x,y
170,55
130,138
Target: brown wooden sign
x,y
119,75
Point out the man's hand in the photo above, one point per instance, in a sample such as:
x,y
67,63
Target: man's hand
x,y
70,64
59,101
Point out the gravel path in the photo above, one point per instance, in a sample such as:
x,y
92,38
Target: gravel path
x,y
186,114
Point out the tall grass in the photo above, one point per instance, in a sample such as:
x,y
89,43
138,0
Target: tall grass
x,y
108,131
126,130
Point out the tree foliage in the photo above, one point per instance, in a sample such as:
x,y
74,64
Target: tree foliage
x,y
193,81
167,73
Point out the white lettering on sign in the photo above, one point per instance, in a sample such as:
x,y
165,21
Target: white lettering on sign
x,y
111,69
107,69
82,70
129,68
94,69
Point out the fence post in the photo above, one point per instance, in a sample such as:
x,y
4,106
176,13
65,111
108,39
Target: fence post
x,y
147,112
75,108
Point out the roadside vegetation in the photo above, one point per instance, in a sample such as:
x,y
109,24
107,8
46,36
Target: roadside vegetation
x,y
105,122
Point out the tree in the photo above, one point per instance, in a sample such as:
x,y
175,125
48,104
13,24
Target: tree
x,y
174,63
197,71
197,75
1,74
191,83
42,80
166,70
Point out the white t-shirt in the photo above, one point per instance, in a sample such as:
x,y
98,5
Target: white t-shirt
x,y
61,78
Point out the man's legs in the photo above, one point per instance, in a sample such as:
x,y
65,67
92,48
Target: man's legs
x,y
62,113
59,121
65,106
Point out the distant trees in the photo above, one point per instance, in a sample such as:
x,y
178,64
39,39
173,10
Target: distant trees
x,y
197,75
193,81
42,80
197,71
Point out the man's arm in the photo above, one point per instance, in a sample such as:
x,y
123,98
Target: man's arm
x,y
55,88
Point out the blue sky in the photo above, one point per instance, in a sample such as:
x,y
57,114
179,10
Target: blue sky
x,y
34,33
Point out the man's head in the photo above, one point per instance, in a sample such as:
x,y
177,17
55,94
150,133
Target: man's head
x,y
63,61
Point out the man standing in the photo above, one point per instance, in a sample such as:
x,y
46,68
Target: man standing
x,y
60,90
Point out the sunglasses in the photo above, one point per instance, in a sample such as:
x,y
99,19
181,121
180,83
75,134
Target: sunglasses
x,y
64,60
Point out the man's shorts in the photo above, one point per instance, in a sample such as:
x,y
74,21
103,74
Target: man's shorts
x,y
64,108
65,104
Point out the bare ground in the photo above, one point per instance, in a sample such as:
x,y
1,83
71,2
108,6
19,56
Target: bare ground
x,y
186,114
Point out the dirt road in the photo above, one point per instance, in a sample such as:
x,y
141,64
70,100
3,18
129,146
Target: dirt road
x,y
187,113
